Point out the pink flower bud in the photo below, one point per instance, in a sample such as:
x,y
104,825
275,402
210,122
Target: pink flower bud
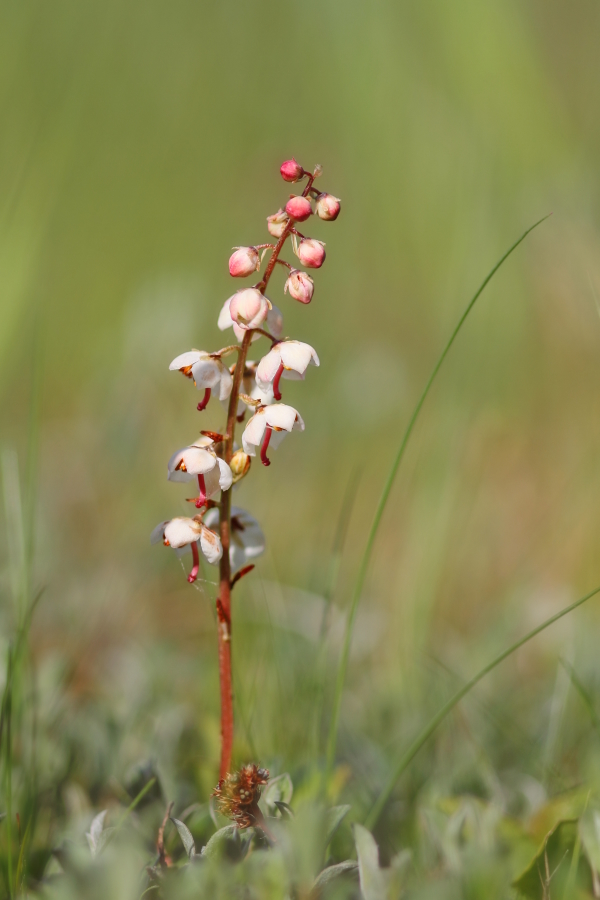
x,y
311,253
291,171
327,207
244,262
276,223
300,286
249,308
298,208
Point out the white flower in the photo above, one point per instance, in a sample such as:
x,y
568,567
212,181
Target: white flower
x,y
274,322
288,358
181,532
200,461
269,424
207,371
252,390
247,538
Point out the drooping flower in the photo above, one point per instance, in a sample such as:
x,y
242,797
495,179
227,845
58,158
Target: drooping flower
x,y
311,253
207,371
249,308
247,538
274,322
300,285
327,207
269,424
200,461
237,795
289,359
182,532
244,261
298,208
277,222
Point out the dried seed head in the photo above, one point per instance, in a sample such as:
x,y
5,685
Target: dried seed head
x,y
237,794
298,208
291,170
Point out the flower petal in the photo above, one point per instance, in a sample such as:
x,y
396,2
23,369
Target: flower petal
x,y
275,321
210,544
268,366
159,532
297,355
226,383
175,474
181,531
280,415
226,475
299,423
197,461
225,321
254,431
206,373
184,360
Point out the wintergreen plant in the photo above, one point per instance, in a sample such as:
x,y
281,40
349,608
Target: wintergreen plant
x,y
233,538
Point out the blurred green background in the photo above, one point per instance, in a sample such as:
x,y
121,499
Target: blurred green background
x,y
140,142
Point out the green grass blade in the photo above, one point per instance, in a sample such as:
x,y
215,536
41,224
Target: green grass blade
x,y
426,733
364,563
583,693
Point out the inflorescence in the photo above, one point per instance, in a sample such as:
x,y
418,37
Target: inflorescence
x,y
232,537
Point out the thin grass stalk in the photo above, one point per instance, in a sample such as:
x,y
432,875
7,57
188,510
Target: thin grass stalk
x,y
584,694
439,717
366,558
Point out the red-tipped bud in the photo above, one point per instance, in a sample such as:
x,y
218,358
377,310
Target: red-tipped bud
x,y
291,171
298,208
327,207
244,262
311,253
276,223
300,285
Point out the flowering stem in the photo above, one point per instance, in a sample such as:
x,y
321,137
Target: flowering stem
x,y
364,563
224,597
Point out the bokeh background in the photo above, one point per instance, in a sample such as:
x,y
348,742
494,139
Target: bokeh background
x,y
140,142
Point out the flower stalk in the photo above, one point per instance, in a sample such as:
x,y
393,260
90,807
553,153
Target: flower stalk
x,y
213,460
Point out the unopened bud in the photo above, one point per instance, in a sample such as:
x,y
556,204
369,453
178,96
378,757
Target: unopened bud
x,y
291,170
239,465
311,253
300,285
244,262
298,208
276,223
249,308
327,207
